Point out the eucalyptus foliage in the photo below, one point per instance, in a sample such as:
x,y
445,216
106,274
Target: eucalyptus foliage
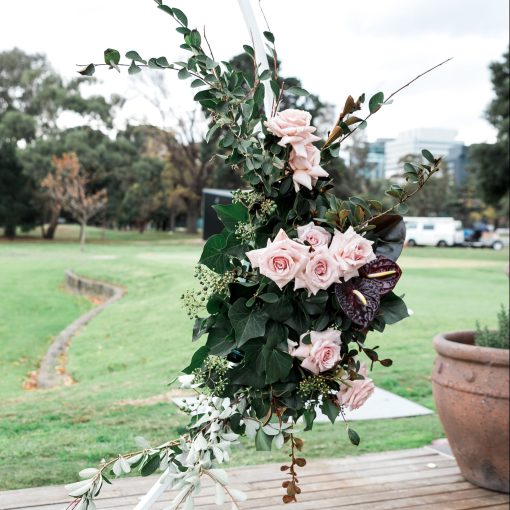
x,y
244,321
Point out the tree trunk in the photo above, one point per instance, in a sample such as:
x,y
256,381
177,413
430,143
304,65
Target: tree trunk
x,y
53,224
10,231
191,219
82,236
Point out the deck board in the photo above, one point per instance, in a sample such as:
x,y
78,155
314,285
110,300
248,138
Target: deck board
x,y
418,479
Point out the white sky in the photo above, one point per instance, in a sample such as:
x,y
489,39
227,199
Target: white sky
x,y
336,47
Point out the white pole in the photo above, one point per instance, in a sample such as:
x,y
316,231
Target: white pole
x,y
154,493
260,51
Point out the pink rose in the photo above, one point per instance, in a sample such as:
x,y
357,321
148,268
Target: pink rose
x,y
281,260
293,126
306,167
353,394
320,272
314,235
351,251
322,354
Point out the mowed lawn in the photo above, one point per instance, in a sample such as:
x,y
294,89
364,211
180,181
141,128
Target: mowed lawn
x,y
135,348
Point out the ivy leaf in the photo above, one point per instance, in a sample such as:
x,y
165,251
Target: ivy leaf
x,y
297,91
213,255
278,365
309,417
247,322
376,102
197,359
330,409
88,71
232,214
263,441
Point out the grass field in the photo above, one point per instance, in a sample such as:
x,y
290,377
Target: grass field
x,y
133,349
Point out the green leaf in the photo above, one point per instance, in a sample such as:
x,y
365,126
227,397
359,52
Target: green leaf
x,y
111,57
258,96
309,417
265,75
247,322
213,256
393,308
353,437
166,9
232,214
162,62
297,91
220,341
134,69
263,441
199,328
153,64
427,155
375,102
180,16
248,49
194,38
330,409
151,465
183,74
134,55
269,36
197,359
269,297
278,365
88,71
409,169
197,83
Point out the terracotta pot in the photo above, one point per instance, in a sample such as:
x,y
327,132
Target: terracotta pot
x,y
471,390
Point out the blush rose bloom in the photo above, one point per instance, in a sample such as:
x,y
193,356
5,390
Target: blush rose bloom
x,y
293,127
358,391
306,167
315,236
322,354
321,272
351,251
281,260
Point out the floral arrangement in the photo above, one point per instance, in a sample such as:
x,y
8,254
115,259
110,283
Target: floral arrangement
x,y
290,288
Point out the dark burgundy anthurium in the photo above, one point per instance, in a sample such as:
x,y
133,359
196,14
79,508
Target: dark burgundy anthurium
x,y
359,298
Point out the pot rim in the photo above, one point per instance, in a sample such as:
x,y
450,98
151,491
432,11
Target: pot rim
x,y
449,345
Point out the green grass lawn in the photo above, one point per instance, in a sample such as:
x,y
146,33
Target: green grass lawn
x,y
133,349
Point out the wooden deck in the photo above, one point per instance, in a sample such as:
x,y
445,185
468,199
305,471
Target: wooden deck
x,y
420,479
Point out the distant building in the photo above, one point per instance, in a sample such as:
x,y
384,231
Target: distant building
x,y
376,159
441,142
457,160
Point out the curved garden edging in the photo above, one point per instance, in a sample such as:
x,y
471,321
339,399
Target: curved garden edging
x,y
48,375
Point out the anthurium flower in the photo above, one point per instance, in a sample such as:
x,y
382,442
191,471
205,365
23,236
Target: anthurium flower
x,y
360,297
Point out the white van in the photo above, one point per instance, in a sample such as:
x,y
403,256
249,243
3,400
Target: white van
x,y
433,231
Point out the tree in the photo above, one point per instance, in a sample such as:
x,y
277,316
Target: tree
x,y
490,162
67,186
16,208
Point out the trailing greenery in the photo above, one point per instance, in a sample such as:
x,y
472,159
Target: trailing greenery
x,y
499,338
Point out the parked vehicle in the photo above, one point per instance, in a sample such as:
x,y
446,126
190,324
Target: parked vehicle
x,y
496,239
441,231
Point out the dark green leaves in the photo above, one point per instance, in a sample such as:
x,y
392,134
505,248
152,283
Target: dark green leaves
x,y
213,255
353,436
330,409
376,102
247,322
232,214
180,16
393,308
269,36
297,91
134,55
183,74
151,465
88,71
165,8
112,58
278,365
263,441
427,155
134,69
197,359
194,39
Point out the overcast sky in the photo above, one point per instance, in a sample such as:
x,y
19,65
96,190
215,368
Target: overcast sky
x,y
336,47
